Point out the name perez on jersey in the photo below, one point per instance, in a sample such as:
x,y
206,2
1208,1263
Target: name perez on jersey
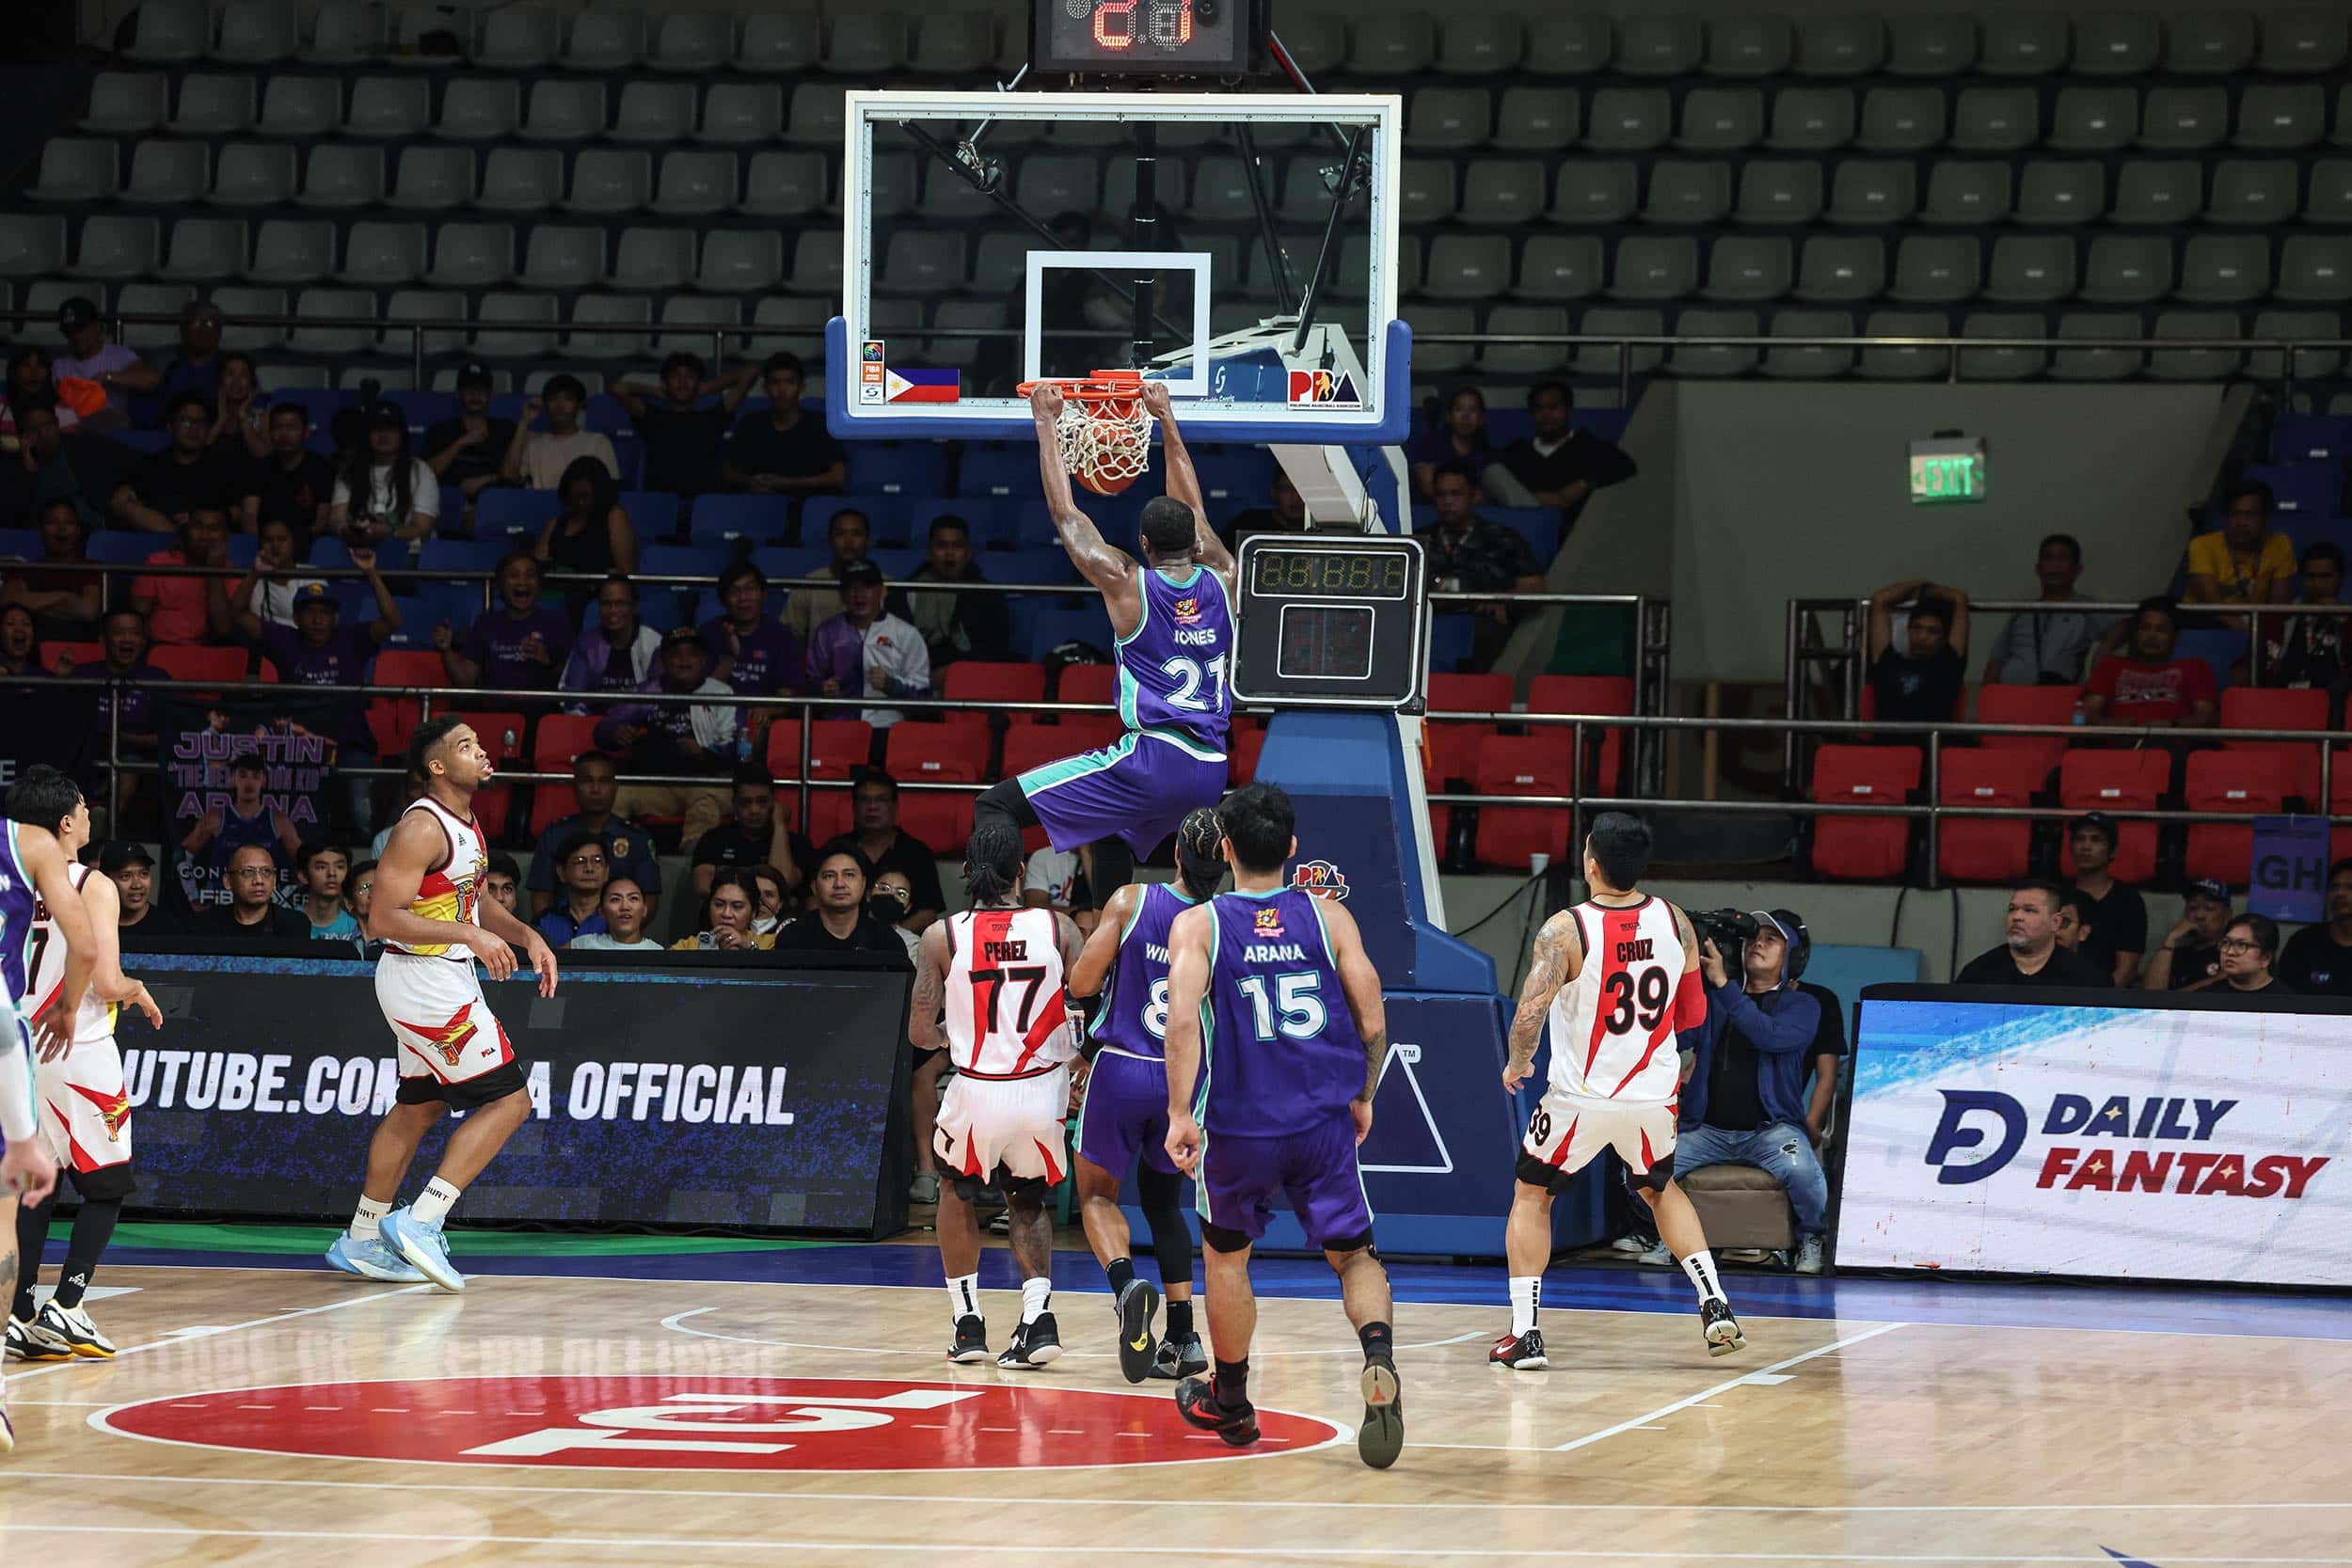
x,y
1274,952
1000,951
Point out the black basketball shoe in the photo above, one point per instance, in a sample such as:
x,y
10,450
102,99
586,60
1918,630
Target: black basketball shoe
x,y
1136,1302
1521,1353
1187,1357
970,1339
1381,1438
1721,1328
1035,1344
1196,1402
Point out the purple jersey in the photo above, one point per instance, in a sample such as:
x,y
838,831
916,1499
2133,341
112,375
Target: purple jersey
x,y
1133,1018
1281,1054
19,899
237,832
772,659
1175,669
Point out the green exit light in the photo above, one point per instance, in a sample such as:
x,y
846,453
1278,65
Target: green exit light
x,y
1946,470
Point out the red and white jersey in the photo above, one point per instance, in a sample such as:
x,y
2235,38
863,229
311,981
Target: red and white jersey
x,y
1006,1014
451,891
1613,1026
96,1020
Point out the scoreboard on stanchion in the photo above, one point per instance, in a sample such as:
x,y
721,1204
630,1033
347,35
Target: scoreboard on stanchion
x,y
1333,622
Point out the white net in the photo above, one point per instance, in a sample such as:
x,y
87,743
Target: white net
x,y
1105,442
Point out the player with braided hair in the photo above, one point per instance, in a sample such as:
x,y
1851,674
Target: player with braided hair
x,y
1121,984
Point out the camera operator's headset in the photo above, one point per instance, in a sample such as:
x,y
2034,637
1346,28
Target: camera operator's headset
x,y
1799,944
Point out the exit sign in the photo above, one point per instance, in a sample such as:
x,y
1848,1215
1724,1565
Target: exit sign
x,y
1947,469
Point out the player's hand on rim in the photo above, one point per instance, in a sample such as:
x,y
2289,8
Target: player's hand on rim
x,y
1154,398
1045,401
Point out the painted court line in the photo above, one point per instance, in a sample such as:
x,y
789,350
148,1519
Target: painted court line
x,y
675,1322
206,1333
1643,1422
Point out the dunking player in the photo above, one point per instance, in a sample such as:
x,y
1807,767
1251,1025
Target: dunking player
x,y
85,1111
1276,1011
996,970
1174,622
429,912
1616,977
1121,981
32,871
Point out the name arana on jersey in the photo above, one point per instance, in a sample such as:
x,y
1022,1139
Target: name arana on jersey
x,y
1273,953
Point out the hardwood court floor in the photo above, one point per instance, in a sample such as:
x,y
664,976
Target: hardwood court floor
x,y
2162,1430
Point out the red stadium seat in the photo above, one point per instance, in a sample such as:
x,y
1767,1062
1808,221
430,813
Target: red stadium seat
x,y
979,681
561,737
1976,849
836,748
2252,707
1088,683
1863,848
83,653
1524,765
1455,694
953,751
392,720
1604,759
1450,753
2115,779
2030,705
187,661
937,819
502,737
2237,780
829,814
550,805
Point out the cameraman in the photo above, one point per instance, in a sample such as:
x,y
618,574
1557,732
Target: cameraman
x,y
1745,1103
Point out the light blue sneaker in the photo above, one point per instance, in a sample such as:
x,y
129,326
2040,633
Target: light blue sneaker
x,y
422,1246
372,1259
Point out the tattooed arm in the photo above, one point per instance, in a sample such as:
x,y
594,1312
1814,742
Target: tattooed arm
x,y
930,988
1559,958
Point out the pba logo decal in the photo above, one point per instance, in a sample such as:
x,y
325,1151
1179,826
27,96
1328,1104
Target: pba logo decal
x,y
1269,923
1323,879
1324,390
700,1423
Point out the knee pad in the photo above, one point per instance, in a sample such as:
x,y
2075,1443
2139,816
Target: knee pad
x,y
1218,1238
109,1183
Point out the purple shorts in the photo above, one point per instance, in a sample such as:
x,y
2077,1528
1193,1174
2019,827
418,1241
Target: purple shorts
x,y
1124,1113
1315,1169
1137,788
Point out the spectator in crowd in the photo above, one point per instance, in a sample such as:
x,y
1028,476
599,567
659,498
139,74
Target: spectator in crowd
x,y
20,644
779,449
87,357
625,913
2149,688
322,869
413,786
727,918
591,535
2030,954
2048,650
627,847
240,412
882,845
1744,1101
890,900
244,820
775,899
864,648
2073,919
468,453
41,471
268,590
319,650
752,653
178,609
292,484
538,458
520,645
381,492
126,708
166,488
2115,935
850,536
839,920
2189,956
253,912
359,892
2248,951
581,871
63,603
1459,437
2318,959
1922,683
676,737
617,653
2243,562
2309,651
1554,465
1471,554
144,920
957,625
195,368
30,385
1056,879
501,883
682,439
1285,512
755,836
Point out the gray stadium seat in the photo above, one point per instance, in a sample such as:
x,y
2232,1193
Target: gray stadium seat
x,y
1795,363
2129,269
778,42
41,299
1055,185
153,299
1840,269
1356,265
212,105
1526,321
610,40
1430,319
1901,120
782,324
2287,325
1595,191
290,378
424,306
2055,192
1317,40
1995,120
2279,117
696,184
1424,191
1600,359
2218,43
696,41
2115,44
1655,43
1441,120
1571,43
1478,44
958,43
30,245
1654,267
2183,120
738,113
564,111
169,31
958,353
924,261
480,109
472,256
2098,364
124,103
313,306
1721,119
654,112
1868,192
1220,190
738,261
2342,136
2030,269
610,181
73,169
2023,43
519,38
1773,191
520,180
1535,120
345,32
515,326
1391,43
1689,193
238,307
167,172
2331,195
2196,364
555,257
1840,47
999,265
1936,269
1468,266
792,184
1747,47
1628,120
1905,364
947,196
431,177
1966,190
298,106
2306,42
285,250
1504,193
1560,267
1118,186
389,106
689,322
866,43
2250,191
2094,119
2002,364
1714,361
1811,119
653,259
609,311
2150,192
381,255
1935,47
816,118
2225,269
1749,268
118,247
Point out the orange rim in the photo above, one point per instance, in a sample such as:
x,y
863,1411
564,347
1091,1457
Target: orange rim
x,y
1101,387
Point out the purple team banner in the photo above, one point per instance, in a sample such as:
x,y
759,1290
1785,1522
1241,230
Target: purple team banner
x,y
238,772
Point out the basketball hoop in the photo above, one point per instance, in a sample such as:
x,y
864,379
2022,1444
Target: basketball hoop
x,y
1105,434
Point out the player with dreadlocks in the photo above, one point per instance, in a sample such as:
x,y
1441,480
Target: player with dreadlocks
x,y
1120,984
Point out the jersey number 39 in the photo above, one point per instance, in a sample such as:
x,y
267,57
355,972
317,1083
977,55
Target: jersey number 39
x,y
1629,1002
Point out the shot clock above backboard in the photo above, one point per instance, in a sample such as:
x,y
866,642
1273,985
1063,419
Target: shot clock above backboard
x,y
1209,38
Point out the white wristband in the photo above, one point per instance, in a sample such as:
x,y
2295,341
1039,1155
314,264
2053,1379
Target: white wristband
x,y
20,1112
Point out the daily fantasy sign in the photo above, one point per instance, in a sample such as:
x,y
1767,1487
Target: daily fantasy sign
x,y
2187,1140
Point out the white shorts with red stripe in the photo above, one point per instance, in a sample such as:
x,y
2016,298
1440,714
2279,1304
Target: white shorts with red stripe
x,y
1568,1131
85,1110
1015,1123
444,1026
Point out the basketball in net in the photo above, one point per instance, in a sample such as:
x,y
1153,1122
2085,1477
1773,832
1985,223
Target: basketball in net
x,y
1104,434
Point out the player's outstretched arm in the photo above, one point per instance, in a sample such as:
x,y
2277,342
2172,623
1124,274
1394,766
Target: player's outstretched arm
x,y
1184,485
1093,966
1188,985
1101,564
930,988
415,848
44,862
1558,957
1360,983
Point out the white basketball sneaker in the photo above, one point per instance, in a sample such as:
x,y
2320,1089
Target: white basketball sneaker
x,y
72,1325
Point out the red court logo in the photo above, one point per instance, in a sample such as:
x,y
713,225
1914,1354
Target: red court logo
x,y
700,1423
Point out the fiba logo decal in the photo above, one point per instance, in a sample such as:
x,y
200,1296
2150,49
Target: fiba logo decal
x,y
1324,390
1323,879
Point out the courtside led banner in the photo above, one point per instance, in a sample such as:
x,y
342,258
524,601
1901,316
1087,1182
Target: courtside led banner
x,y
2190,1141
